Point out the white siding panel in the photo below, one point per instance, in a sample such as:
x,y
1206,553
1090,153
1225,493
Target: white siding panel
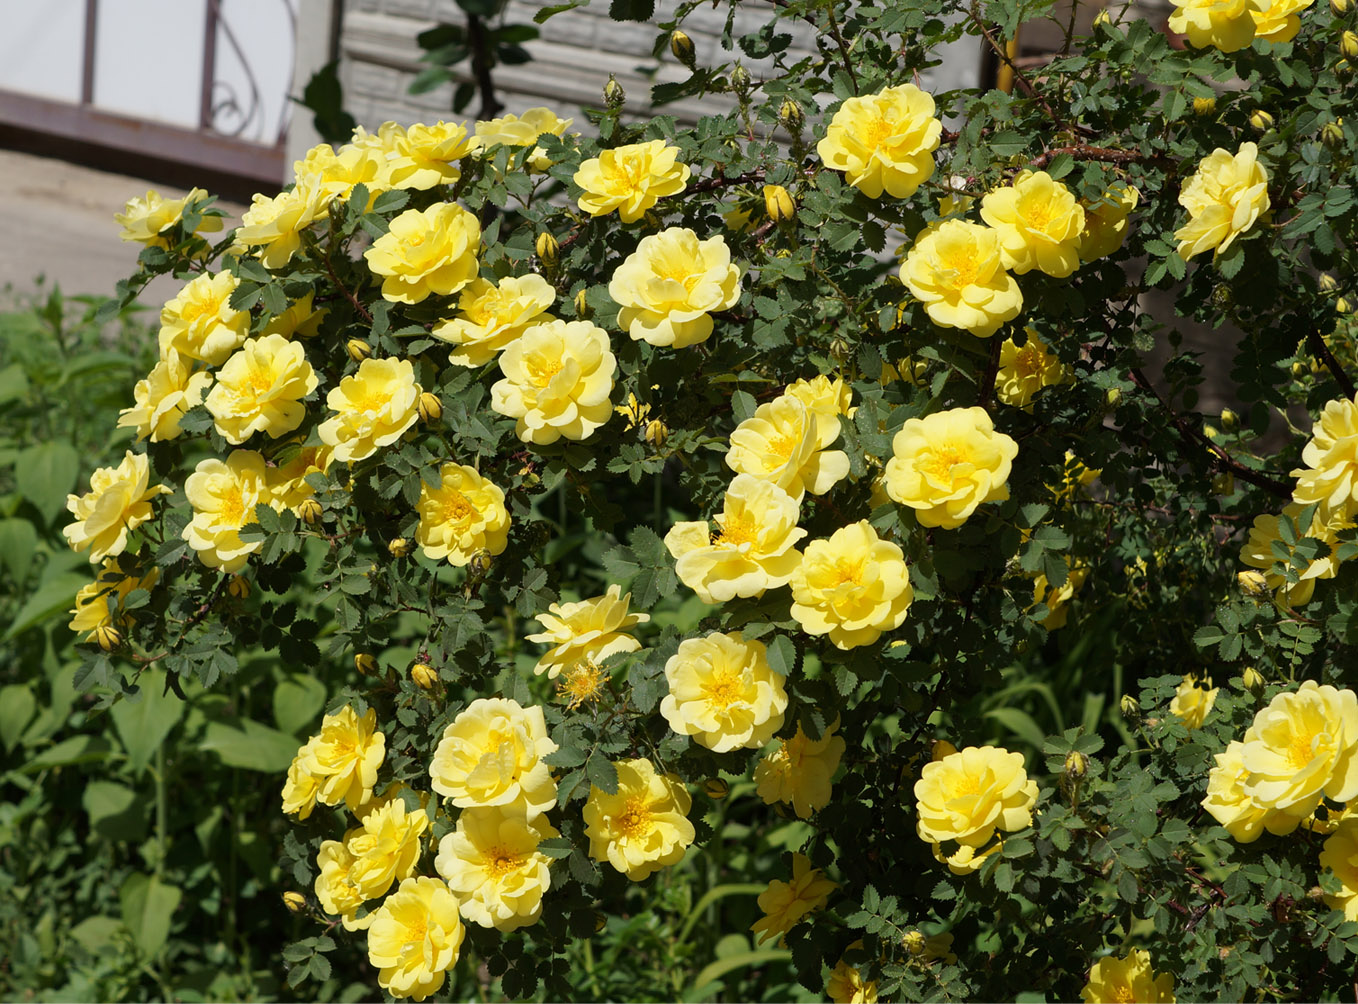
x,y
250,94
41,47
148,59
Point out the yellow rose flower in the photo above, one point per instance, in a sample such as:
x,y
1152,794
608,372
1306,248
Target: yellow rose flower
x,y
1057,600
493,865
301,788
374,408
723,693
1025,371
853,587
302,319
415,937
590,630
288,482
160,401
670,285
274,224
334,173
345,757
426,156
492,315
784,443
1192,703
119,501
387,140
826,399
465,514
1330,476
1325,527
847,986
924,949
492,754
1106,223
386,847
1224,198
1227,25
630,179
800,770
753,550
1128,979
426,251
558,375
786,904
644,826
966,796
884,141
1226,799
144,220
1039,222
336,894
91,602
224,495
946,464
199,323
260,389
955,270
513,130
1279,22
1340,855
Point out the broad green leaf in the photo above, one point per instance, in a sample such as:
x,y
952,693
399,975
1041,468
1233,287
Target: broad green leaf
x,y
148,906
94,934
252,746
116,811
18,544
17,705
143,724
77,749
45,474
297,701
51,598
13,383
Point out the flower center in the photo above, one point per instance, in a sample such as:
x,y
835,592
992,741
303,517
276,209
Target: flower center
x,y
208,306
723,688
584,681
500,861
541,371
965,785
940,463
233,508
848,570
879,130
1037,215
634,821
259,381
456,508
960,266
1122,993
736,530
1029,360
1301,751
782,446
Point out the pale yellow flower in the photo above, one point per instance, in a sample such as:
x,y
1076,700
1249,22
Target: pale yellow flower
x,y
260,389
1278,22
200,323
288,481
301,788
884,141
427,155
924,948
274,224
1227,25
492,754
644,826
415,937
345,757
956,271
1025,371
1106,221
670,285
464,515
386,847
160,401
630,179
753,550
800,770
374,407
1325,527
946,464
492,315
1224,198
334,173
119,501
337,895
1057,599
1340,855
1330,476
965,797
558,376
852,586
826,399
1192,703
302,319
145,220
723,692
1128,978
493,865
91,602
1039,222
1226,799
524,130
426,251
784,443
590,630
847,986
786,904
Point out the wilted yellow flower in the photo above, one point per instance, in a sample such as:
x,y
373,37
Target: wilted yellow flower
x,y
1025,371
91,602
374,408
1227,25
493,865
592,629
275,223
784,442
753,550
1192,703
1039,222
426,251
145,220
523,131
785,904
260,389
1340,855
199,323
956,271
492,315
946,464
1128,979
852,587
424,156
119,501
723,692
884,141
558,375
302,319
169,390
847,986
964,798
415,937
670,285
644,826
492,754
465,514
345,757
630,179
1224,198
1330,476
800,771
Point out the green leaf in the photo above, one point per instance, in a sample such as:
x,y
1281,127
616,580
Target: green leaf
x,y
77,749
602,774
148,906
51,598
13,383
251,747
144,723
297,701
45,474
782,655
700,989
18,545
116,812
94,934
17,705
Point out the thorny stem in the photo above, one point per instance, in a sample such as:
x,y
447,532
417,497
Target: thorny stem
x,y
1316,342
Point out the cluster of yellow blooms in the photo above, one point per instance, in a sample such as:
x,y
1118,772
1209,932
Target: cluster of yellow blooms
x,y
1229,25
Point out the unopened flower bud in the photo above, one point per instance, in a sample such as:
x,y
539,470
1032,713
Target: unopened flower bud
x,y
424,676
1300,369
716,789
239,587
1113,398
1343,305
365,664
480,562
430,408
656,433
1230,421
1130,708
398,547
294,901
582,310
1076,766
1326,282
1348,45
1252,680
1332,133
1223,484
1339,7
614,95
740,79
1102,17
1252,582
548,249
790,114
358,349
682,47
310,511
1261,121
1343,68
108,637
778,203
914,942
1204,106
941,748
